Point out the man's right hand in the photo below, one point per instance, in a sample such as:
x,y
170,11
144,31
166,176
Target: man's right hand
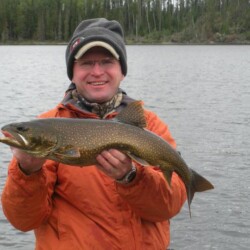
x,y
27,163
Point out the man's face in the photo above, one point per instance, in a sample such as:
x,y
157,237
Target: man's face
x,y
97,75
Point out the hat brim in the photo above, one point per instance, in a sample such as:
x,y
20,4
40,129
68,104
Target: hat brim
x,y
90,45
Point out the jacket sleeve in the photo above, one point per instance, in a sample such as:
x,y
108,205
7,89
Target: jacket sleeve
x,y
26,199
149,194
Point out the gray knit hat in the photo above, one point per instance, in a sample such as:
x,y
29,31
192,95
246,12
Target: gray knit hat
x,y
96,32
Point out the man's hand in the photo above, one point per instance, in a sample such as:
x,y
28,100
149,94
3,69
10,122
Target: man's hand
x,y
114,163
27,163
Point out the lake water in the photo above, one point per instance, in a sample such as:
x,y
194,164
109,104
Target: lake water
x,y
201,92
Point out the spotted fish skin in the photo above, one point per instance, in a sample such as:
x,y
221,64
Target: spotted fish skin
x,y
79,141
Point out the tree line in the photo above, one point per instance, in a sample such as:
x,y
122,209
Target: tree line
x,y
156,21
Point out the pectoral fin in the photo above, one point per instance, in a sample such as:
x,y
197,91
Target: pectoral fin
x,y
68,153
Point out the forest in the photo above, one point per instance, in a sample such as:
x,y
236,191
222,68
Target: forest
x,y
144,21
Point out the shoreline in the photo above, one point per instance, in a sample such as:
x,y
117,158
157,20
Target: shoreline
x,y
39,43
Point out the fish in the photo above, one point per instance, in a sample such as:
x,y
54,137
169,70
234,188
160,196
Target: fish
x,y
77,142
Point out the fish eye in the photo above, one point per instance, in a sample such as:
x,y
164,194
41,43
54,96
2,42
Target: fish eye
x,y
22,128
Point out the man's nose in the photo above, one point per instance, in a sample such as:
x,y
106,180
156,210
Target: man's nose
x,y
97,69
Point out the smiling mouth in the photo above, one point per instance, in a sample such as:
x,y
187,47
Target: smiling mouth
x,y
97,83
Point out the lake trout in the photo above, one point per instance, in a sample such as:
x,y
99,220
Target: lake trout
x,y
78,142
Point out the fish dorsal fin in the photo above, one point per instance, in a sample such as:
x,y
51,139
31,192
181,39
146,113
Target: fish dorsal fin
x,y
133,114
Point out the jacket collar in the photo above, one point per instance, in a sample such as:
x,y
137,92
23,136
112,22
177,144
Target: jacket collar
x,y
73,101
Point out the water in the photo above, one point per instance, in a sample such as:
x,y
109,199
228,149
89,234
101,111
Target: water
x,y
201,92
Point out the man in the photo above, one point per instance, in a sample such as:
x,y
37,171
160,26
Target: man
x,y
117,204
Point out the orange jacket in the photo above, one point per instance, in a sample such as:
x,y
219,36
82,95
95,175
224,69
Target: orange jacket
x,y
83,209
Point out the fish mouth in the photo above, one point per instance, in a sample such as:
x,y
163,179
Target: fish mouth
x,y
14,139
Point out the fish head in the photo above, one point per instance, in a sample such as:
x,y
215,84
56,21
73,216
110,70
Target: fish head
x,y
33,137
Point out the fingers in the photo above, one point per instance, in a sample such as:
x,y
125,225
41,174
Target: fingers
x,y
114,163
112,158
28,163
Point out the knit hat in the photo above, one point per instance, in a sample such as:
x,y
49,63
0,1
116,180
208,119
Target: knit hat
x,y
96,32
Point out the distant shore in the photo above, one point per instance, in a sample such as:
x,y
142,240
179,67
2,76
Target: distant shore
x,y
174,39
129,42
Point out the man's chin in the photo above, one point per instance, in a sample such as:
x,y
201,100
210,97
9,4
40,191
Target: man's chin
x,y
98,99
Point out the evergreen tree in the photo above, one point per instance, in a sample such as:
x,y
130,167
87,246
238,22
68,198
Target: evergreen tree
x,y
152,20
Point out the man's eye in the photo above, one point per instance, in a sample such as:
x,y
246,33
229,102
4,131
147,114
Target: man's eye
x,y
86,63
106,61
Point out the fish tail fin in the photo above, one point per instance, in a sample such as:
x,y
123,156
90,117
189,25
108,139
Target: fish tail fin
x,y
198,184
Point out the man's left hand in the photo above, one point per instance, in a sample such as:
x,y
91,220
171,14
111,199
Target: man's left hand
x,y
114,163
